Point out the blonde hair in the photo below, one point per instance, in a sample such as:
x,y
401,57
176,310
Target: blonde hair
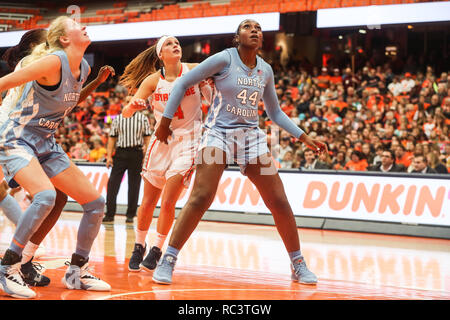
x,y
146,63
56,29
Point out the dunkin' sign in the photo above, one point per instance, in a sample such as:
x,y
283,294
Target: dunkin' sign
x,y
406,199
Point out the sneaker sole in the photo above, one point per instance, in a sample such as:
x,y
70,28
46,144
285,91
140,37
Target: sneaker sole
x,y
134,270
36,284
303,282
160,281
86,289
147,269
17,296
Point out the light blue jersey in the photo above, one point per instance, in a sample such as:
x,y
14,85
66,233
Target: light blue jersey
x,y
232,120
238,92
41,111
28,131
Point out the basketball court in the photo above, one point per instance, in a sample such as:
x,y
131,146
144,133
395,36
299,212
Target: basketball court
x,y
232,261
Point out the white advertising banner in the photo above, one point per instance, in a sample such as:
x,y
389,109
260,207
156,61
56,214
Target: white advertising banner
x,y
414,200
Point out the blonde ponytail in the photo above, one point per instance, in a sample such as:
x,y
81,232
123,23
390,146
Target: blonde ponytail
x,y
146,63
56,29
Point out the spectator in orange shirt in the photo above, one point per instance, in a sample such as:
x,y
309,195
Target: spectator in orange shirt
x,y
115,108
323,79
402,156
336,77
287,106
339,161
357,162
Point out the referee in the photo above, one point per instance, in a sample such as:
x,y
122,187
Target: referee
x,y
131,137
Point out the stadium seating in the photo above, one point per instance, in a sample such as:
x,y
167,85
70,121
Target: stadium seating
x,y
122,11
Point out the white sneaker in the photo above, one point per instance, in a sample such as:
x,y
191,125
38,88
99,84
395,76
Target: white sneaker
x,y
11,282
81,278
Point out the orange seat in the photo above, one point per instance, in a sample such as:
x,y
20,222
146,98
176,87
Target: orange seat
x,y
269,7
293,6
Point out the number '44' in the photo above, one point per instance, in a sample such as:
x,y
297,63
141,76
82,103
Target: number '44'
x,y
243,97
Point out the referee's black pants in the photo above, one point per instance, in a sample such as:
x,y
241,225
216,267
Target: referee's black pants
x,y
129,159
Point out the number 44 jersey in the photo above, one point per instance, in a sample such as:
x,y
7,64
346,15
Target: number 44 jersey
x,y
238,92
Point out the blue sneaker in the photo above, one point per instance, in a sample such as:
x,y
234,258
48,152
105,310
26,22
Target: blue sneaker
x,y
301,273
164,270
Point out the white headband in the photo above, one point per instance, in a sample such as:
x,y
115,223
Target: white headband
x,y
161,42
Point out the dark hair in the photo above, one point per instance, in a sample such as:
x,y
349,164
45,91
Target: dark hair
x,y
421,155
391,152
235,43
14,54
359,154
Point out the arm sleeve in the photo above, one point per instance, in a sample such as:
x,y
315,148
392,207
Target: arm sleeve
x,y
209,67
274,111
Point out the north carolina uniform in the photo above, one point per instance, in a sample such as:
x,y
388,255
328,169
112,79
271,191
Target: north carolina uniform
x,y
163,161
232,120
29,130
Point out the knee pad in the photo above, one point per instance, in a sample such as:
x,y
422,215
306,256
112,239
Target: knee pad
x,y
45,199
32,218
89,225
95,207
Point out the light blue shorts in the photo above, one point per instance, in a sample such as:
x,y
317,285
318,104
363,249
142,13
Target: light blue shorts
x,y
18,154
242,146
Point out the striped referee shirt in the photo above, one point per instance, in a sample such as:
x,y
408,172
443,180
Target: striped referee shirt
x,y
130,132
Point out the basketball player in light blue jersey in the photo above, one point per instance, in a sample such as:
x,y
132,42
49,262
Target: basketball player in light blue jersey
x,y
32,271
231,134
50,82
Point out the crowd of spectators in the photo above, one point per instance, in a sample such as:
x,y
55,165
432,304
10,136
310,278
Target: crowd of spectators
x,y
370,119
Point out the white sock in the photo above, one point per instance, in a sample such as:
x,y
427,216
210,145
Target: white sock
x,y
140,236
160,238
29,251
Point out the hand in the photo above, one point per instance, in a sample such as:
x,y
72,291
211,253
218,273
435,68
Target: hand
x,y
314,144
207,82
207,89
104,73
163,131
109,162
133,106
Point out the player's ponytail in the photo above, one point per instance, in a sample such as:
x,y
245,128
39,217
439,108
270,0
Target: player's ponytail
x,y
146,63
28,41
56,29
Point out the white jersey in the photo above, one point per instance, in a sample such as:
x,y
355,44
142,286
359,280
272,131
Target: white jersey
x,y
188,116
